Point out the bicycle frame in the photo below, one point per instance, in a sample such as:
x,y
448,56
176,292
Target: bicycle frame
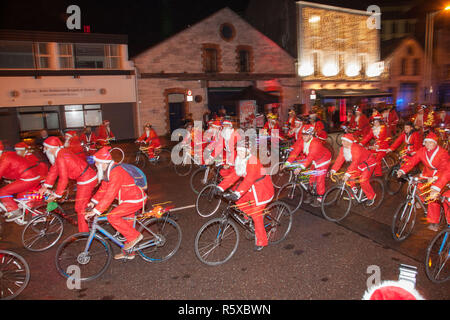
x,y
412,194
24,207
95,227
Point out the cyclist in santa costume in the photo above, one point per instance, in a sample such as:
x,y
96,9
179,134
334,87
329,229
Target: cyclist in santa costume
x,y
435,160
379,133
23,150
151,138
362,165
25,178
438,187
390,118
104,133
73,143
412,139
89,138
361,124
117,183
317,156
296,131
253,193
67,165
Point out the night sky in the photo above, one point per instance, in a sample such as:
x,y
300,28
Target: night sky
x,y
145,22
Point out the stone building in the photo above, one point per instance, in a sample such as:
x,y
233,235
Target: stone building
x,y
207,66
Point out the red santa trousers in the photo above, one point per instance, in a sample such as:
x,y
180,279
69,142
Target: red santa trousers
x,y
125,226
446,205
318,178
364,181
82,198
433,208
248,206
380,155
18,186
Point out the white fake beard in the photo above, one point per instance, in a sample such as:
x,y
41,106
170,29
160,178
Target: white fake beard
x,y
50,157
348,154
226,133
147,133
100,172
376,131
66,142
240,166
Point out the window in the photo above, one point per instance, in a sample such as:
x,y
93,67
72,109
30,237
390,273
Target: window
x,y
210,59
79,116
16,55
89,56
65,55
403,67
42,55
227,31
38,118
113,56
244,61
416,64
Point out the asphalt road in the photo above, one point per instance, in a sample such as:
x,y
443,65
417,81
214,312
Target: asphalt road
x,y
319,260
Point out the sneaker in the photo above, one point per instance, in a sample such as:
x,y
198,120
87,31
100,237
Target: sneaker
x,y
317,202
124,255
433,227
371,202
258,248
14,215
131,244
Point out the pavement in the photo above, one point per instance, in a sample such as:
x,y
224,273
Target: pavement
x,y
319,260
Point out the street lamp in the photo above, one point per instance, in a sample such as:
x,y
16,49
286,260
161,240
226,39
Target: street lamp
x,y
429,49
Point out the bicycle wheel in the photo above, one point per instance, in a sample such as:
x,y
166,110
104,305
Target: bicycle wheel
x,y
14,274
279,177
378,188
182,169
277,221
92,263
42,232
216,241
207,202
200,178
336,203
291,194
140,160
338,139
164,158
162,239
393,184
387,163
437,257
403,221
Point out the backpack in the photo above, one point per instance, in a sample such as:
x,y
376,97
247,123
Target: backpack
x,y
138,176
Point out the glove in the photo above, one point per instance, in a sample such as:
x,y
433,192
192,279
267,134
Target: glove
x,y
217,191
235,195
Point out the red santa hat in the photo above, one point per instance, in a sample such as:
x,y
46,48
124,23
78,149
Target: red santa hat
x,y
431,137
71,133
216,124
357,108
348,137
227,123
53,142
20,146
105,122
392,290
103,155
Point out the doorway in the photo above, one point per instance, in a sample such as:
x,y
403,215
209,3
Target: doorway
x,y
177,112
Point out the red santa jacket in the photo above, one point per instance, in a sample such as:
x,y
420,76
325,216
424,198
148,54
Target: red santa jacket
x,y
39,164
152,139
381,137
226,147
90,139
433,161
316,153
391,120
119,185
443,179
413,142
361,126
15,167
75,146
295,133
103,134
69,166
361,159
269,129
255,181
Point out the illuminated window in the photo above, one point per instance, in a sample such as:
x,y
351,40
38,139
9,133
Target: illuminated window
x,y
65,55
42,55
79,116
113,56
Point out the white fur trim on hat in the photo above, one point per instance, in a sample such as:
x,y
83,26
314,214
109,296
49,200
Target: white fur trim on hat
x,y
102,160
405,285
347,139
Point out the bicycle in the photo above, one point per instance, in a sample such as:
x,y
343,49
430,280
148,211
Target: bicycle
x,y
338,200
292,193
394,184
281,177
14,274
207,202
162,157
438,254
217,240
92,253
27,210
44,231
183,168
204,175
405,216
